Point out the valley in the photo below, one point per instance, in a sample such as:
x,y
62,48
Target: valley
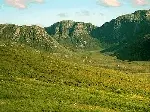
x,y
76,67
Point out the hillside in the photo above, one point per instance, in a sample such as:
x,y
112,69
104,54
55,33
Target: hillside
x,y
33,36
39,81
139,50
74,35
125,29
126,32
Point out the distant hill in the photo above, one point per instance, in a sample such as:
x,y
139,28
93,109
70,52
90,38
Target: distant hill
x,y
124,29
74,35
33,36
126,32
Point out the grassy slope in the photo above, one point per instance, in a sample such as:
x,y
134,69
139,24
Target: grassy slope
x,y
36,81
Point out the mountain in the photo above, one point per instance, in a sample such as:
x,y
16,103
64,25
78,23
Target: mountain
x,y
74,35
120,37
126,34
126,37
124,29
34,78
33,36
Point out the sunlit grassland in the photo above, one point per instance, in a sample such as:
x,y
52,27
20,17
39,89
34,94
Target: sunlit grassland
x,y
32,80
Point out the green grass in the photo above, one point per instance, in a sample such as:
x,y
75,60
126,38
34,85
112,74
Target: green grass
x,y
37,81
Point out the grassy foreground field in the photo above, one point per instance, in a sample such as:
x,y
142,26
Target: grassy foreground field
x,y
35,81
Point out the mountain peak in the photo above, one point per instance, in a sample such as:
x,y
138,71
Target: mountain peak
x,y
33,36
73,34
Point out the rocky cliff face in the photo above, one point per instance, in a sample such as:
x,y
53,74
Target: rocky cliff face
x,y
33,36
70,28
126,35
124,29
74,35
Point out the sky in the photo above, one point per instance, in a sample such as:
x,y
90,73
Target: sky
x,y
47,12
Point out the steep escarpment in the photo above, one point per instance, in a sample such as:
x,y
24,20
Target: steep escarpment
x,y
124,29
126,35
33,36
74,35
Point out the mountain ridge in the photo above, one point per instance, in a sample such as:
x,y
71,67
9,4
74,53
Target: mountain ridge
x,y
33,36
74,35
118,37
124,32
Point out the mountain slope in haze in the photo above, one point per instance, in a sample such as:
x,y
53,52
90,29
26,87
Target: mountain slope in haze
x,y
74,35
126,34
33,36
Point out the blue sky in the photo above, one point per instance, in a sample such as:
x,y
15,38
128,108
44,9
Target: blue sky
x,y
47,12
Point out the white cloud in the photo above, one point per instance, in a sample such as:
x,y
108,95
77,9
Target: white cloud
x,y
140,2
117,3
112,3
21,3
